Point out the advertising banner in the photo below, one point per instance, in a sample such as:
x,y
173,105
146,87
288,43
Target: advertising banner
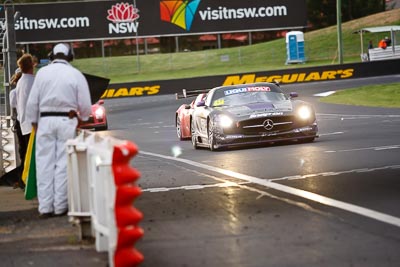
x,y
287,76
91,20
202,16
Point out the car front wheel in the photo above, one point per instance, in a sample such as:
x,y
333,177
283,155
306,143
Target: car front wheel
x,y
211,136
102,128
307,140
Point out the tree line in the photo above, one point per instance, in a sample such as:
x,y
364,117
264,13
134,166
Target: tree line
x,y
322,13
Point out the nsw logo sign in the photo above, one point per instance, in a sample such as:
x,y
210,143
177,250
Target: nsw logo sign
x,y
124,18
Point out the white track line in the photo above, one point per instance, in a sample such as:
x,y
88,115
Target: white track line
x,y
376,148
334,133
325,93
382,217
359,116
326,174
192,187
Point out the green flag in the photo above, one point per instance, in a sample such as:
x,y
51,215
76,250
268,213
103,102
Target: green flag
x,y
30,188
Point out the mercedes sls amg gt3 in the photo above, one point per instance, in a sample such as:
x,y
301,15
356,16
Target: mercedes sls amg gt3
x,y
250,114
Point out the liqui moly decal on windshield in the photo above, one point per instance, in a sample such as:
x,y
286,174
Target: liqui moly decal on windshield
x,y
247,89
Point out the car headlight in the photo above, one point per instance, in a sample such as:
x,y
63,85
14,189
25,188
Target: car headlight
x,y
225,121
99,113
304,112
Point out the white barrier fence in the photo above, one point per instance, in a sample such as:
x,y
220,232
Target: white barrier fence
x,y
391,52
92,190
9,158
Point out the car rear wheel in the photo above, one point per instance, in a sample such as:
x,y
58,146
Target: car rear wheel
x,y
194,138
178,128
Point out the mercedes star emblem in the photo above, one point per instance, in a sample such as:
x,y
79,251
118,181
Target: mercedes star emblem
x,y
268,124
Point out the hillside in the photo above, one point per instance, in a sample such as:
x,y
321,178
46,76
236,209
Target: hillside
x,y
320,45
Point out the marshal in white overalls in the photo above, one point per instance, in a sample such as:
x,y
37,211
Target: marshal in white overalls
x,y
58,88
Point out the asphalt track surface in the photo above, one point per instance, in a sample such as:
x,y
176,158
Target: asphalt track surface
x,y
333,202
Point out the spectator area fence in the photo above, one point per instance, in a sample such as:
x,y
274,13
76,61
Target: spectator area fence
x,y
390,52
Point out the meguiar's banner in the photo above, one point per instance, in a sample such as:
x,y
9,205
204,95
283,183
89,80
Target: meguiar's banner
x,y
91,20
285,76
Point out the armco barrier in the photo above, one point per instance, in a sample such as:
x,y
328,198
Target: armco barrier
x,y
99,181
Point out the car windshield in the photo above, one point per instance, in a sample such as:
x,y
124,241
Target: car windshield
x,y
236,98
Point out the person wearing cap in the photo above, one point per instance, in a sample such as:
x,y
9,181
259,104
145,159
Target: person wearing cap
x,y
23,87
388,41
59,93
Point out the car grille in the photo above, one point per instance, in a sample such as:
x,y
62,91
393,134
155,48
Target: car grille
x,y
258,125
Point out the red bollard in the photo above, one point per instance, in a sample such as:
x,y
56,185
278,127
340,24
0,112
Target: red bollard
x,y
127,216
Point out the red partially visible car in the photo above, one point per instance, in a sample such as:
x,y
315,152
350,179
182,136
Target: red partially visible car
x,y
98,119
183,117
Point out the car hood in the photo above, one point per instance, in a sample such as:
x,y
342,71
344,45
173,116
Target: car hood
x,y
259,109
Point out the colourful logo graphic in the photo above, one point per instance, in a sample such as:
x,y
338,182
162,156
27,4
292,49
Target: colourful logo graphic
x,y
179,12
123,12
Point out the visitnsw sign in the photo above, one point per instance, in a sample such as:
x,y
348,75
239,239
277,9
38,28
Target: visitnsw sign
x,y
204,16
90,20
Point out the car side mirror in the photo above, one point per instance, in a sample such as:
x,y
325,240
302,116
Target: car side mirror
x,y
201,103
100,102
293,95
187,106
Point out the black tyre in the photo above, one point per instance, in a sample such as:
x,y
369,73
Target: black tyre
x,y
211,137
307,140
194,138
178,128
102,128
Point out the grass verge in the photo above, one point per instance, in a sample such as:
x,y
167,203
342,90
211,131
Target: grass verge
x,y
387,96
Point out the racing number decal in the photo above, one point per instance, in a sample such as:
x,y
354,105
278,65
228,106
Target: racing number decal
x,y
219,102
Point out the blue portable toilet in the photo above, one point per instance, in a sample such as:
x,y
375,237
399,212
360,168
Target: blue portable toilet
x,y
295,47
